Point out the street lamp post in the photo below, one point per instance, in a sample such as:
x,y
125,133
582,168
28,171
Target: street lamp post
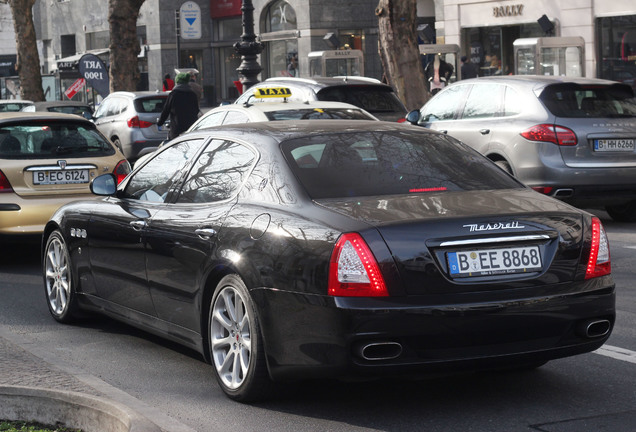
x,y
248,48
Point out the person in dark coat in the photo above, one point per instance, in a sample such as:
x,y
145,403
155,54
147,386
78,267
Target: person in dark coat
x,y
182,106
469,69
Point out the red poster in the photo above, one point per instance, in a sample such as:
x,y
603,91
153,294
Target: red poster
x,y
74,88
225,8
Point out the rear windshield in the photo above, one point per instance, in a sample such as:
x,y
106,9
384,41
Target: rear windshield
x,y
318,113
36,140
581,101
149,105
375,99
80,110
387,163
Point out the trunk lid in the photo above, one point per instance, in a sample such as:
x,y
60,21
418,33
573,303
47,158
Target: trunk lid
x,y
427,235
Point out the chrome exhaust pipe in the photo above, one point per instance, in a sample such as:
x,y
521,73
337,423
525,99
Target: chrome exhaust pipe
x,y
380,351
597,328
563,193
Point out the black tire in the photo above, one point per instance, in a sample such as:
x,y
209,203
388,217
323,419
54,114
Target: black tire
x,y
117,144
504,166
623,213
235,343
59,281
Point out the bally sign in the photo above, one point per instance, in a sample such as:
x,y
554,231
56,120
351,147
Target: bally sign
x,y
95,73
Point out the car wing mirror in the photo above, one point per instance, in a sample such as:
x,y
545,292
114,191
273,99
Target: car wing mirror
x,y
413,117
104,185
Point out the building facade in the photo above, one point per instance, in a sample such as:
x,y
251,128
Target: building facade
x,y
487,30
205,34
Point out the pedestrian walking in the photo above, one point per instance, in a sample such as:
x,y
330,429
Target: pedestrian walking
x,y
469,70
196,86
168,83
181,106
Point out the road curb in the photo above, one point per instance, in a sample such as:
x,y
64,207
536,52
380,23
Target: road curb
x,y
71,409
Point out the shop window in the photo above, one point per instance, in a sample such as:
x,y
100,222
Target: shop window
x,y
280,16
616,44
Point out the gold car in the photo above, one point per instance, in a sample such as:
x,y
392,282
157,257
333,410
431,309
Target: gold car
x,y
46,160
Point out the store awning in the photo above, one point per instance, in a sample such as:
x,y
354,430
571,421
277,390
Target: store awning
x,y
68,64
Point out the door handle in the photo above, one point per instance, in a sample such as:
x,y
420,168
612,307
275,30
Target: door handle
x,y
484,131
138,225
205,233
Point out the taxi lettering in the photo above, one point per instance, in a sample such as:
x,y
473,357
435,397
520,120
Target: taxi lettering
x,y
273,92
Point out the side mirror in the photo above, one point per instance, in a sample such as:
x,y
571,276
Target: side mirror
x,y
413,117
105,185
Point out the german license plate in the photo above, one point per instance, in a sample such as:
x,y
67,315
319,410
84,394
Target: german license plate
x,y
608,145
494,261
60,177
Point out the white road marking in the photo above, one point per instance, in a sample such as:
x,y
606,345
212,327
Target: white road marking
x,y
617,353
629,247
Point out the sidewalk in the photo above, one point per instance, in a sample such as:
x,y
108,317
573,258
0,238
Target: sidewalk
x,y
34,387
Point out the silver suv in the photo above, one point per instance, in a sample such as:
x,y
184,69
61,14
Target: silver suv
x,y
367,93
129,120
571,138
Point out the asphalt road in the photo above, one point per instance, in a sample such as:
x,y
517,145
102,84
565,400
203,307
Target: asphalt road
x,y
591,392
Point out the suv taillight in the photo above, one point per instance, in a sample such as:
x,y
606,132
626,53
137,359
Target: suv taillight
x,y
353,270
122,169
5,186
136,123
598,263
551,133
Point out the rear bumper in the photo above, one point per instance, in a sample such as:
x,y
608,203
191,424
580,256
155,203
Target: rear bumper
x,y
311,336
20,216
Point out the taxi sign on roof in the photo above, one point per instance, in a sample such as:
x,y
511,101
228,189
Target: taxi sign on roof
x,y
273,92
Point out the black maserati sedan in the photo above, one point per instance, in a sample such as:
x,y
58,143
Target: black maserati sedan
x,y
284,251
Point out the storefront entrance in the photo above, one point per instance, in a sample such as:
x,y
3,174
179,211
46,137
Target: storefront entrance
x,y
491,49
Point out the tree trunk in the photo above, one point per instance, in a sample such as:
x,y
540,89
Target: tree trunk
x,y
399,51
124,45
28,61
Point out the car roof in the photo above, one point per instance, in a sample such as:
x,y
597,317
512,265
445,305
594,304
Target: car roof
x,y
289,129
46,104
536,81
12,117
139,94
322,82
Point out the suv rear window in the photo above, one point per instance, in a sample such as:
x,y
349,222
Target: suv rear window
x,y
36,140
149,105
375,99
387,163
581,101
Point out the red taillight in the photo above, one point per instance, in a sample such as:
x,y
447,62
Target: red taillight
x,y
402,120
543,189
353,270
122,169
551,133
136,123
5,186
598,263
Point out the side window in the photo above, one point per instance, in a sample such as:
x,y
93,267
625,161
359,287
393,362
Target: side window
x,y
236,117
210,120
484,101
219,172
153,181
512,102
444,105
103,108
